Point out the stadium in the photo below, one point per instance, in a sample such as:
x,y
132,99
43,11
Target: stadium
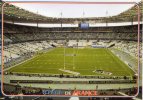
x,y
65,56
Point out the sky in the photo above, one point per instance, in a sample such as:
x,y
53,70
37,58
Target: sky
x,y
76,10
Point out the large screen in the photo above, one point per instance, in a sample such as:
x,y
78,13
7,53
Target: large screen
x,y
84,25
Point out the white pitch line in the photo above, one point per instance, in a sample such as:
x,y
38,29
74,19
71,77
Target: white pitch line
x,y
23,62
125,63
69,71
18,64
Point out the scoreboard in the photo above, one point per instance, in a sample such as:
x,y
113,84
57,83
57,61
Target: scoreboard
x,y
84,25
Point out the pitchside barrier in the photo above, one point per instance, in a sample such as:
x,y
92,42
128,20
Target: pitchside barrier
x,y
74,82
70,76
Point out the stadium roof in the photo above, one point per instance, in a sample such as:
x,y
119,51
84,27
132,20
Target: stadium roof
x,y
16,14
75,9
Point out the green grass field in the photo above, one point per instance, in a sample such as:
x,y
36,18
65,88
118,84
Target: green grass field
x,y
83,61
